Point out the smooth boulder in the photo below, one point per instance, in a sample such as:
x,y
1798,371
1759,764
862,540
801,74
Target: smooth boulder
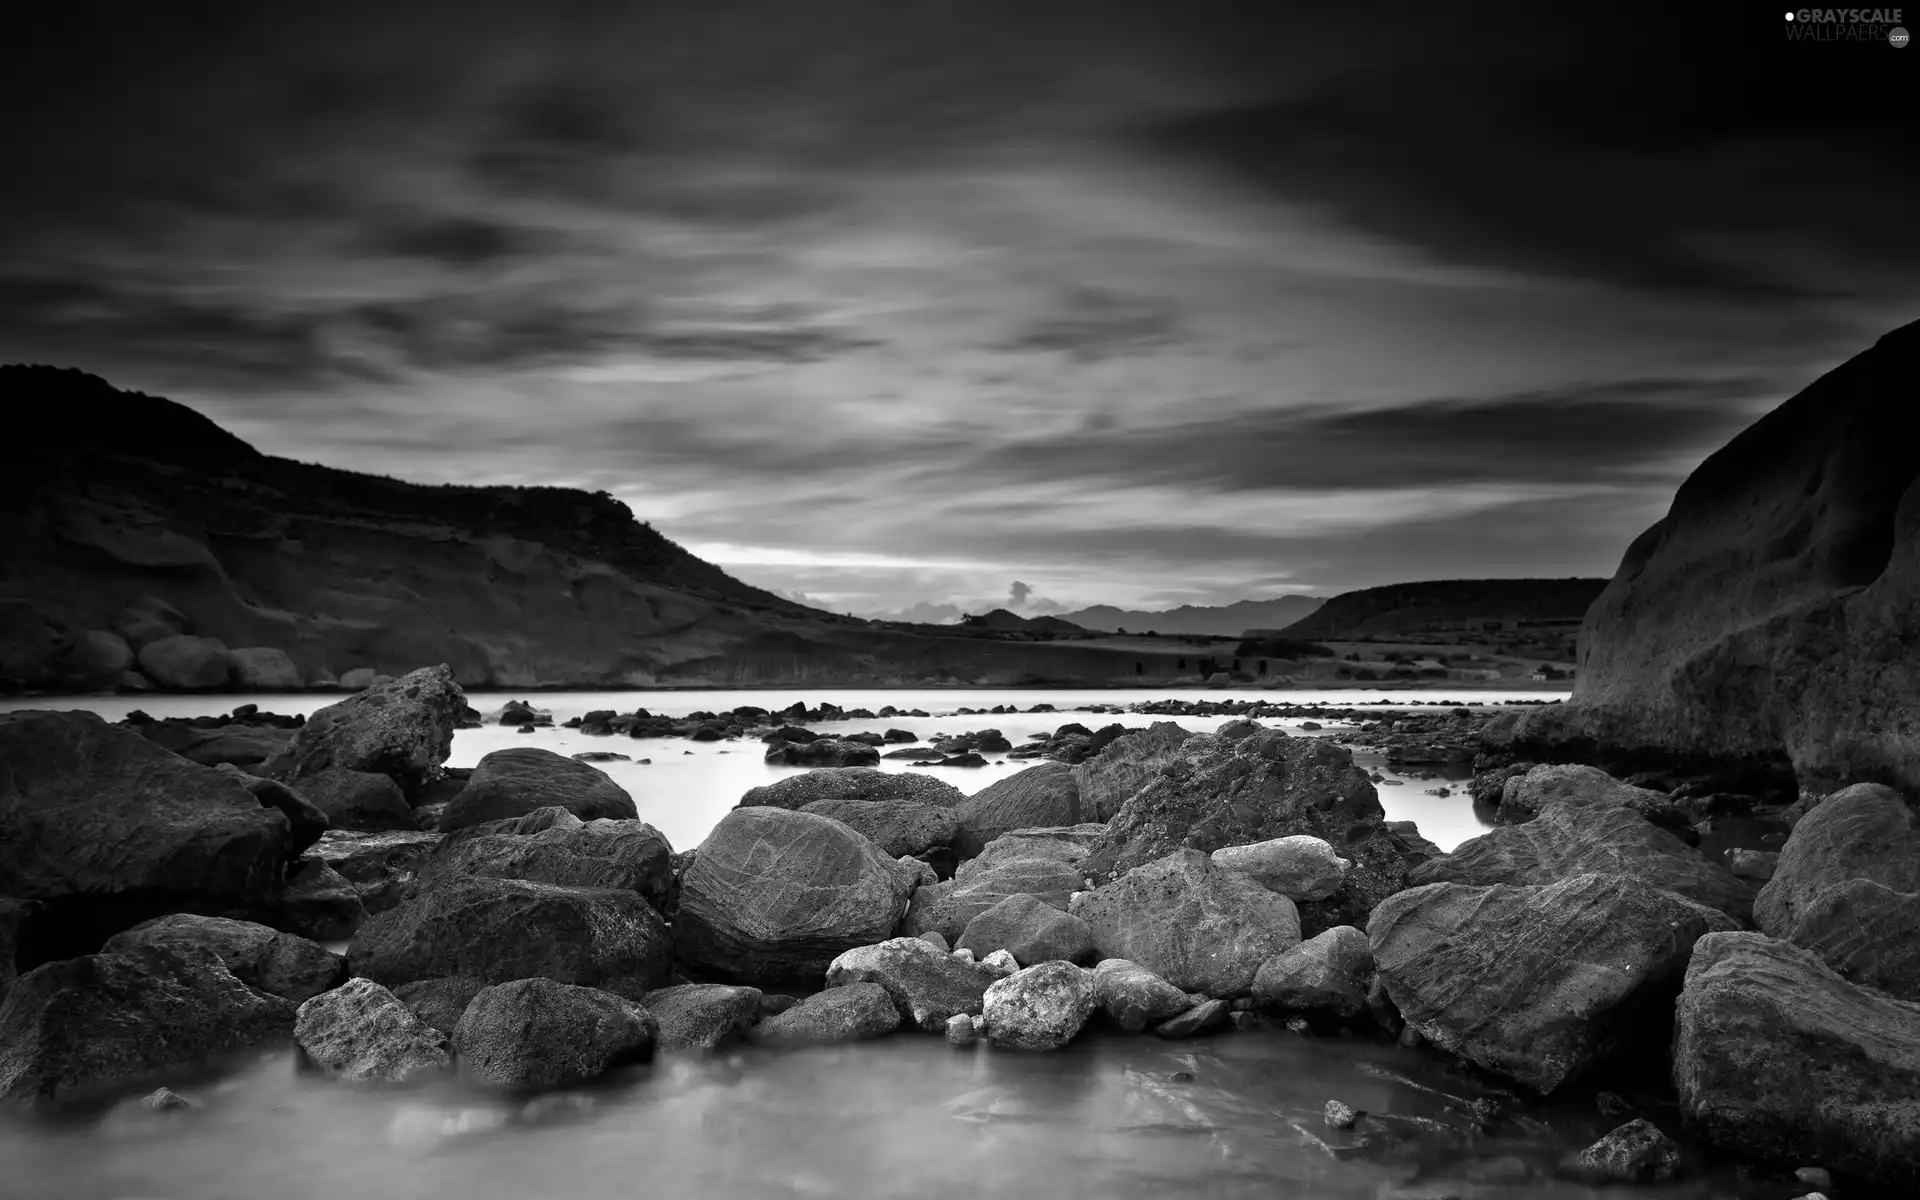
x,y
1031,930
1135,997
280,964
702,1016
359,800
265,669
896,826
362,1033
538,1033
1043,794
402,728
1301,867
1197,925
523,779
1329,974
842,1014
1042,1007
440,1002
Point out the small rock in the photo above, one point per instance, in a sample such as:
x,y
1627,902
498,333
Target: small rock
x,y
1002,962
166,1100
961,1031
1198,1019
1339,1116
1304,1027
1636,1152
1814,1177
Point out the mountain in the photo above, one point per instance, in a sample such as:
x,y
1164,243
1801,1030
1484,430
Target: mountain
x,y
1473,605
1007,621
1229,620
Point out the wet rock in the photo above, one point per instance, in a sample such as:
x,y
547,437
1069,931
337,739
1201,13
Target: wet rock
x,y
166,1100
1339,1116
1537,984
361,1032
1135,997
1043,794
243,746
898,827
822,752
960,1030
1199,926
702,1016
551,845
1328,974
95,660
184,663
926,985
381,866
1636,1152
402,729
523,779
1042,1007
1043,864
1202,1017
1301,867
852,783
280,964
776,895
536,1033
359,800
440,1002
71,1027
149,619
1777,1057
843,1014
499,930
1032,931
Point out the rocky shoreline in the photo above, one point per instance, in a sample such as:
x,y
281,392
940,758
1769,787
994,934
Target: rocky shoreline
x,y
519,926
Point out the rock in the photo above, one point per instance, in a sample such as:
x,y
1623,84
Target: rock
x,y
1217,791
1537,984
1814,1177
361,1032
1200,927
898,827
1339,1116
960,1030
853,783
843,1014
380,866
166,1100
184,663
74,1026
822,752
521,779
1032,931
1756,865
305,822
1329,974
552,845
1636,1152
1043,794
775,895
96,660
319,903
1043,863
1300,867
1565,840
537,1033
1134,996
1847,887
932,938
1207,1015
440,1002
243,746
499,930
358,800
149,619
1042,1007
267,960
1524,797
402,729
361,678
1001,963
702,1016
1110,778
110,829
1778,1058
265,669
927,985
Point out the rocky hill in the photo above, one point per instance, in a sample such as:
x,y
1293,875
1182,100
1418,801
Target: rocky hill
x,y
1225,620
1449,605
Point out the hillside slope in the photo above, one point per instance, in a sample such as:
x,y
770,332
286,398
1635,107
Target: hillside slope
x,y
1226,620
1474,605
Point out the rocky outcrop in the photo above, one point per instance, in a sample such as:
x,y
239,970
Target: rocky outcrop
x,y
1036,863
72,1027
537,1033
702,1016
896,826
1199,926
1766,621
927,984
843,1014
1328,975
1135,997
280,964
359,800
552,845
1110,778
1031,930
775,895
362,1033
1776,1057
1847,887
522,779
499,930
1043,794
1537,984
1042,1007
402,729
853,783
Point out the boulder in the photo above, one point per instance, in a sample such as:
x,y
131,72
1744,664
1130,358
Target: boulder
x,y
1847,887
897,826
1031,930
927,985
265,669
822,752
1601,839
1216,791
242,745
852,783
538,1033
1301,867
702,1016
522,779
1042,1007
318,903
1328,975
148,620
361,1032
1778,1058
1571,785
778,895
554,846
358,800
402,729
1043,794
1636,1152
1043,866
1110,778
499,930
1206,1015
843,1014
96,660
381,866
1134,996
440,1002
184,663
1537,984
76,1025
306,823
280,964
1199,926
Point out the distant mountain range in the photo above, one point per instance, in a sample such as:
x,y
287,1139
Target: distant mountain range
x,y
1226,620
1444,604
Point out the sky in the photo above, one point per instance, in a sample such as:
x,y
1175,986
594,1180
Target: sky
x,y
904,306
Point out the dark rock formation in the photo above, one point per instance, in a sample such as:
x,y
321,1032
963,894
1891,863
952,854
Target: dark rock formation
x,y
361,1032
1135,997
402,729
306,823
823,752
1031,930
1199,926
318,903
440,1002
359,800
517,781
702,1016
927,984
536,1033
1110,778
1043,794
843,1014
896,826
552,845
853,783
185,663
1328,975
280,964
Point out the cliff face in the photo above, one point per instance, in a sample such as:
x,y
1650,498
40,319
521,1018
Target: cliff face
x,y
1772,617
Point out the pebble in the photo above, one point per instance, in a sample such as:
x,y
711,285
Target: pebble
x,y
1339,1116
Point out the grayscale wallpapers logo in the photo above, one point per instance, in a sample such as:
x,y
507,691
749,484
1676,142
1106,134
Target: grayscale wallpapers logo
x,y
1847,25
